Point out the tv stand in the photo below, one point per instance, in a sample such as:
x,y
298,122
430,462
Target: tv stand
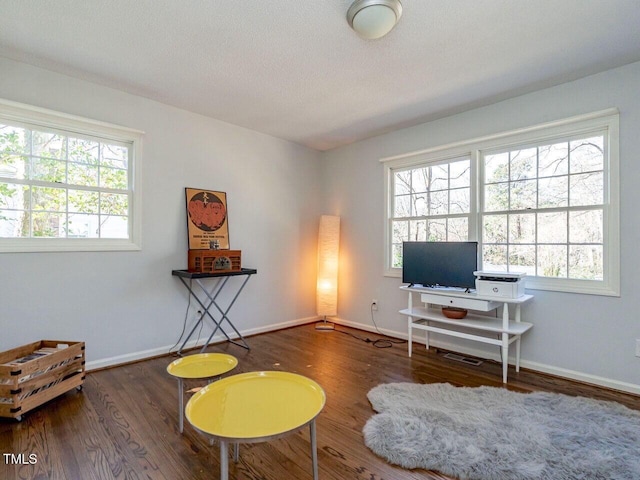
x,y
486,329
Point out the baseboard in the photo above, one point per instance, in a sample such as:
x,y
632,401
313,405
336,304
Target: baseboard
x,y
164,350
535,366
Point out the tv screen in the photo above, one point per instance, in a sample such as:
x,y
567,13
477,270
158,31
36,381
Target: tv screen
x,y
444,264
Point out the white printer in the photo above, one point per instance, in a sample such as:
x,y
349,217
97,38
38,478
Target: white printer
x,y
500,284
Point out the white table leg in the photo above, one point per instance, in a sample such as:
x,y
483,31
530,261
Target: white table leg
x,y
314,449
518,318
410,329
224,460
505,356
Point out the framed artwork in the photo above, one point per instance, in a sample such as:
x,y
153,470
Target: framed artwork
x,y
207,219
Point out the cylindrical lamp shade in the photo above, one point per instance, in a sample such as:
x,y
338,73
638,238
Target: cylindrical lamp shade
x,y
328,253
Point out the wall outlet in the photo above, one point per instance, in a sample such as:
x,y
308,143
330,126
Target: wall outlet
x,y
374,304
637,347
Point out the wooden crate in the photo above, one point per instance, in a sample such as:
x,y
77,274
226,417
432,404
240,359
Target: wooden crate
x,y
214,261
33,374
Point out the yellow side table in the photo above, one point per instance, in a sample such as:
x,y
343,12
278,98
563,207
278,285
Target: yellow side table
x,y
256,407
199,366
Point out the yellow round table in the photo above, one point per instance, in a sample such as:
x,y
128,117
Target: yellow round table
x,y
255,407
196,367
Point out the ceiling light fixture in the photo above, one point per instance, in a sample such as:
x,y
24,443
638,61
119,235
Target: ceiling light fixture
x,y
373,19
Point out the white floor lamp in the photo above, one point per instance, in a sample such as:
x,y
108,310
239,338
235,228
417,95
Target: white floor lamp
x,y
328,254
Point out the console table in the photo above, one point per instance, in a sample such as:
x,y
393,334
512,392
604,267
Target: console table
x,y
505,330
210,299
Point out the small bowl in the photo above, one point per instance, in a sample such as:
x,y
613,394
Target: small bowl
x,y
454,313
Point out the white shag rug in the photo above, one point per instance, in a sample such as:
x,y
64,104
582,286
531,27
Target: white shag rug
x,y
491,433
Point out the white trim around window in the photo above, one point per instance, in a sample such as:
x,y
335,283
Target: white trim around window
x,y
79,129
605,123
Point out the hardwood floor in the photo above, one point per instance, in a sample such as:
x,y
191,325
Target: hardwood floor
x,y
123,425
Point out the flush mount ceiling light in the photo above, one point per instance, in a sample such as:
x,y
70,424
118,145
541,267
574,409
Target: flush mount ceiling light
x,y
373,19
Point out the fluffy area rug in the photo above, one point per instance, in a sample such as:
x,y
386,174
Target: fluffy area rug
x,y
491,433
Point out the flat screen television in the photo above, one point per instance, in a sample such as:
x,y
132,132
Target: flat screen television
x,y
443,264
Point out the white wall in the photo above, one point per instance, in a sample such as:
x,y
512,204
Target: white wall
x,y
122,304
586,337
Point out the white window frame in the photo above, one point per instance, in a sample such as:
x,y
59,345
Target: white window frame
x,y
607,120
36,117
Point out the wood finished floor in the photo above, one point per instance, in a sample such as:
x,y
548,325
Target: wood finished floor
x,y
123,425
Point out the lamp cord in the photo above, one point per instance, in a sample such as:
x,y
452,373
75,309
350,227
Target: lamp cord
x,y
378,343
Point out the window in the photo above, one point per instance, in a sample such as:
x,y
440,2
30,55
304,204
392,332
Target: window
x,y
542,200
431,202
66,183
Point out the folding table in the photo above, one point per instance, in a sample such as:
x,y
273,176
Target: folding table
x,y
208,298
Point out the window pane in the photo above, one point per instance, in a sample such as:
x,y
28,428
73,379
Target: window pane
x,y
439,177
402,206
14,196
114,227
84,151
83,174
402,182
522,228
587,155
113,178
523,194
437,230
553,160
82,201
459,200
585,262
13,166
459,174
420,179
587,189
552,261
523,164
51,199
458,230
114,156
14,223
552,228
439,203
553,192
48,224
49,145
114,204
400,232
496,197
522,258
418,230
396,255
14,140
494,229
496,168
586,226
494,258
420,207
49,170
82,226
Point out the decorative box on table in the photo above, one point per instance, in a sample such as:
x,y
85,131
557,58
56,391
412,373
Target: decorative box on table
x,y
214,261
33,374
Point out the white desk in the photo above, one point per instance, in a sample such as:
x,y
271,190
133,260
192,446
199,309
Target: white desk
x,y
504,330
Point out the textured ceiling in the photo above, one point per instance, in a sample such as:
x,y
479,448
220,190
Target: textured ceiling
x,y
295,70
